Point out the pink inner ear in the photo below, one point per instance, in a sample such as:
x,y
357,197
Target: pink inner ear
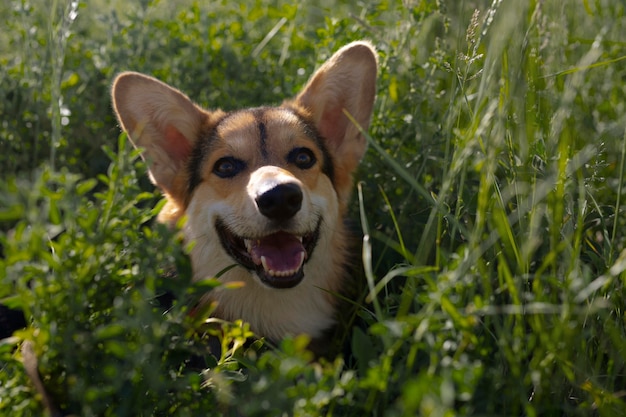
x,y
176,145
333,125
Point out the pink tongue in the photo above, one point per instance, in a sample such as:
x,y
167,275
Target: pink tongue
x,y
282,252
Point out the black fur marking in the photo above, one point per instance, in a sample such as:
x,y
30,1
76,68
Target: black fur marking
x,y
263,136
200,151
312,133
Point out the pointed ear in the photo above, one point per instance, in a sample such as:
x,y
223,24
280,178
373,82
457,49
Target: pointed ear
x,y
162,121
346,82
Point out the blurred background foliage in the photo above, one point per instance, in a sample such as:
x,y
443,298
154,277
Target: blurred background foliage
x,y
491,199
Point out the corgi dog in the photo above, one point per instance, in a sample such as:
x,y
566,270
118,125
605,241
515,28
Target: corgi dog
x,y
265,189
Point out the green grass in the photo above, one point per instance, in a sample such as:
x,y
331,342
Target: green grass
x,y
491,203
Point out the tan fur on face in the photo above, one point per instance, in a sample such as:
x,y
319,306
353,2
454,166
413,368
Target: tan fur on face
x,y
168,126
215,199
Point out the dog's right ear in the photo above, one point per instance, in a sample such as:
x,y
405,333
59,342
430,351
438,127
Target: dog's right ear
x,y
345,83
163,122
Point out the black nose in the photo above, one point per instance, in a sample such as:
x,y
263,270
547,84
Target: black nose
x,y
281,202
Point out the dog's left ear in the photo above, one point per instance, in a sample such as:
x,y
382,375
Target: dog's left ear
x,y
163,122
346,82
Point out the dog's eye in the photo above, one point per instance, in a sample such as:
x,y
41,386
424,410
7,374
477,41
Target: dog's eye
x,y
303,158
228,167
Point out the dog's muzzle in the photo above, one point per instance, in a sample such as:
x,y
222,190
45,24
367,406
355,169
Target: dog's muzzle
x,y
278,258
280,203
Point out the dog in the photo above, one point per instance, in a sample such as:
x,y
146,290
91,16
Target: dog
x,y
265,189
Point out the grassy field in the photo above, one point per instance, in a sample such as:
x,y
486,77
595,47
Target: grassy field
x,y
490,202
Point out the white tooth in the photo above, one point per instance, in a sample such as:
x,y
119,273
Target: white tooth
x,y
248,244
264,263
300,239
301,260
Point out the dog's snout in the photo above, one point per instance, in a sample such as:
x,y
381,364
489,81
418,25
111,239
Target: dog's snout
x,y
281,202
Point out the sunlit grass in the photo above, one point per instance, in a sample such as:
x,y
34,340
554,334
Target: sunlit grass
x,y
490,202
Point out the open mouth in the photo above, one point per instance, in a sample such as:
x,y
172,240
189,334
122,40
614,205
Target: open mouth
x,y
278,259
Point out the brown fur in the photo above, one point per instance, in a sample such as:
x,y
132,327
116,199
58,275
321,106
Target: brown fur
x,y
186,147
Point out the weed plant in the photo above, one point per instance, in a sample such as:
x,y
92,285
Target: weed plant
x,y
490,204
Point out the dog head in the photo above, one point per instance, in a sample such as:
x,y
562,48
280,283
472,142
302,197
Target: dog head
x,y
265,188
